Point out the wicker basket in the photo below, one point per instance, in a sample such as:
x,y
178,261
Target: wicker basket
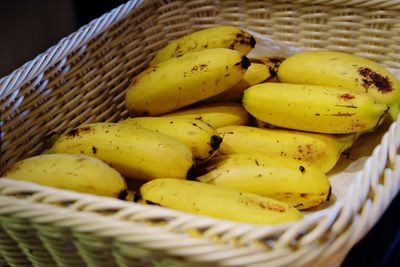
x,y
82,79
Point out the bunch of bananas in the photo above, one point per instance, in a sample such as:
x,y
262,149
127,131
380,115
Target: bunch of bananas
x,y
215,132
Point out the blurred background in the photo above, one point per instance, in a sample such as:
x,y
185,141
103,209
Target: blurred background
x,y
29,27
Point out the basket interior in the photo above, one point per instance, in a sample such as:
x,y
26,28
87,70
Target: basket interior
x,y
84,81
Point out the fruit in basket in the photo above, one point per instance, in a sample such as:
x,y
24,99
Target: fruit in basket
x,y
79,173
321,150
201,138
296,182
179,82
343,70
135,152
215,37
216,114
255,74
216,201
313,108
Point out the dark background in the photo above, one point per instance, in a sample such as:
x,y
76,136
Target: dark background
x,y
29,27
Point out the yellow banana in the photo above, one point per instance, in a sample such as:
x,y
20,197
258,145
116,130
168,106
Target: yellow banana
x,y
255,74
338,69
321,150
179,82
134,152
313,108
271,62
216,115
201,138
78,173
298,183
216,201
216,37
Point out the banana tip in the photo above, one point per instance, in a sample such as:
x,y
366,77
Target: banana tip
x,y
137,196
328,197
245,63
192,173
123,194
215,142
253,42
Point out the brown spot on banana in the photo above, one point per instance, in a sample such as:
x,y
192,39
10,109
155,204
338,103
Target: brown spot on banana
x,y
347,96
302,169
177,50
244,39
78,131
271,206
195,125
199,67
342,114
347,106
371,77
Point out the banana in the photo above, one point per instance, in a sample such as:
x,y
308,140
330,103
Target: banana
x,y
201,138
216,37
321,150
135,152
298,183
255,74
78,173
313,108
215,201
271,62
337,69
216,114
179,82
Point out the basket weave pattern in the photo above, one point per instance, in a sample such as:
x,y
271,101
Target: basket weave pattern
x,y
83,79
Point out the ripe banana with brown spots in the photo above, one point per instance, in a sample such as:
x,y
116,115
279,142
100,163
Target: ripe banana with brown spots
x,y
296,182
134,152
216,201
350,72
215,37
179,82
200,137
216,114
321,150
78,173
255,74
313,108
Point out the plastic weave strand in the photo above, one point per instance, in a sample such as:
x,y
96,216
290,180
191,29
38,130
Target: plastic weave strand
x,y
83,78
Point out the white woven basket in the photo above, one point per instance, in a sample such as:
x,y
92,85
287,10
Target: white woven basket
x,y
82,79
